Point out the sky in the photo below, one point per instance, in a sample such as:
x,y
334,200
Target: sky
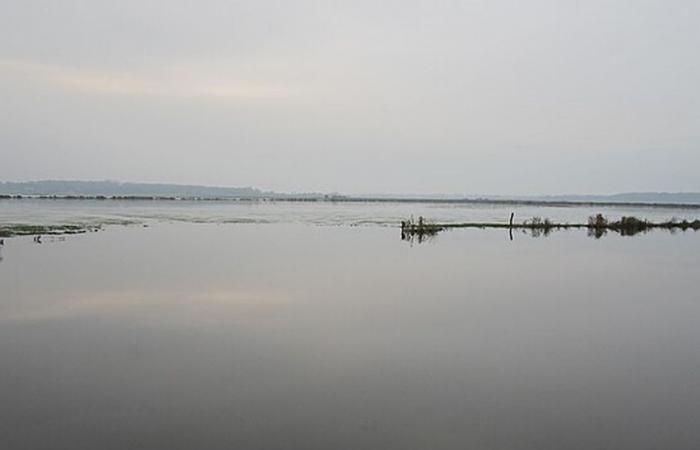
x,y
474,97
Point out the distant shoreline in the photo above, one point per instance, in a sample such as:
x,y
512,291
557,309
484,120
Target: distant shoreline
x,y
352,199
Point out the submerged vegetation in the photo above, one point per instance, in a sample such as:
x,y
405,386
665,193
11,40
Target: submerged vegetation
x,y
8,230
12,230
597,226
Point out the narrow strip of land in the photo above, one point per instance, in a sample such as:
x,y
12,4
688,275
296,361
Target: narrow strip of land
x,y
598,224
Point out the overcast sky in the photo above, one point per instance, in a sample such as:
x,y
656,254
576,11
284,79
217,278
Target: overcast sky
x,y
492,96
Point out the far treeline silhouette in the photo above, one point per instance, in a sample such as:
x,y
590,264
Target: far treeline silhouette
x,y
75,189
79,189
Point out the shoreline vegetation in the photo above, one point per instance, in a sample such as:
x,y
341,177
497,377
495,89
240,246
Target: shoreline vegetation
x,y
597,226
351,199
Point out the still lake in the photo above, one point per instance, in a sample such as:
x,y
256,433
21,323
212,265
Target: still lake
x,y
288,333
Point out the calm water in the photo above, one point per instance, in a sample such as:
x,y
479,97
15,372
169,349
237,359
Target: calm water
x,y
298,336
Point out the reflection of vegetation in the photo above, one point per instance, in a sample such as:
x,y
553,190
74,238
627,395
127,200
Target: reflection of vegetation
x,y
597,226
538,227
11,230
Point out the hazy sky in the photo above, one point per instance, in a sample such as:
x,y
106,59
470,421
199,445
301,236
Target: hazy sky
x,y
411,96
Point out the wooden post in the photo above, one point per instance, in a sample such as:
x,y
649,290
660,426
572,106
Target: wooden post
x,y
510,226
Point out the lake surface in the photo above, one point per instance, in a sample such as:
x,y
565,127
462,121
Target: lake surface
x,y
288,334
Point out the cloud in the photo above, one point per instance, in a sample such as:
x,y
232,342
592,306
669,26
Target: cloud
x,y
189,81
222,302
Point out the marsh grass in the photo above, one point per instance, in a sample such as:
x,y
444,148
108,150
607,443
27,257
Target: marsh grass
x,y
630,225
419,230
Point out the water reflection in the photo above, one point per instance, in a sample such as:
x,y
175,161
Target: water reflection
x,y
597,233
297,337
